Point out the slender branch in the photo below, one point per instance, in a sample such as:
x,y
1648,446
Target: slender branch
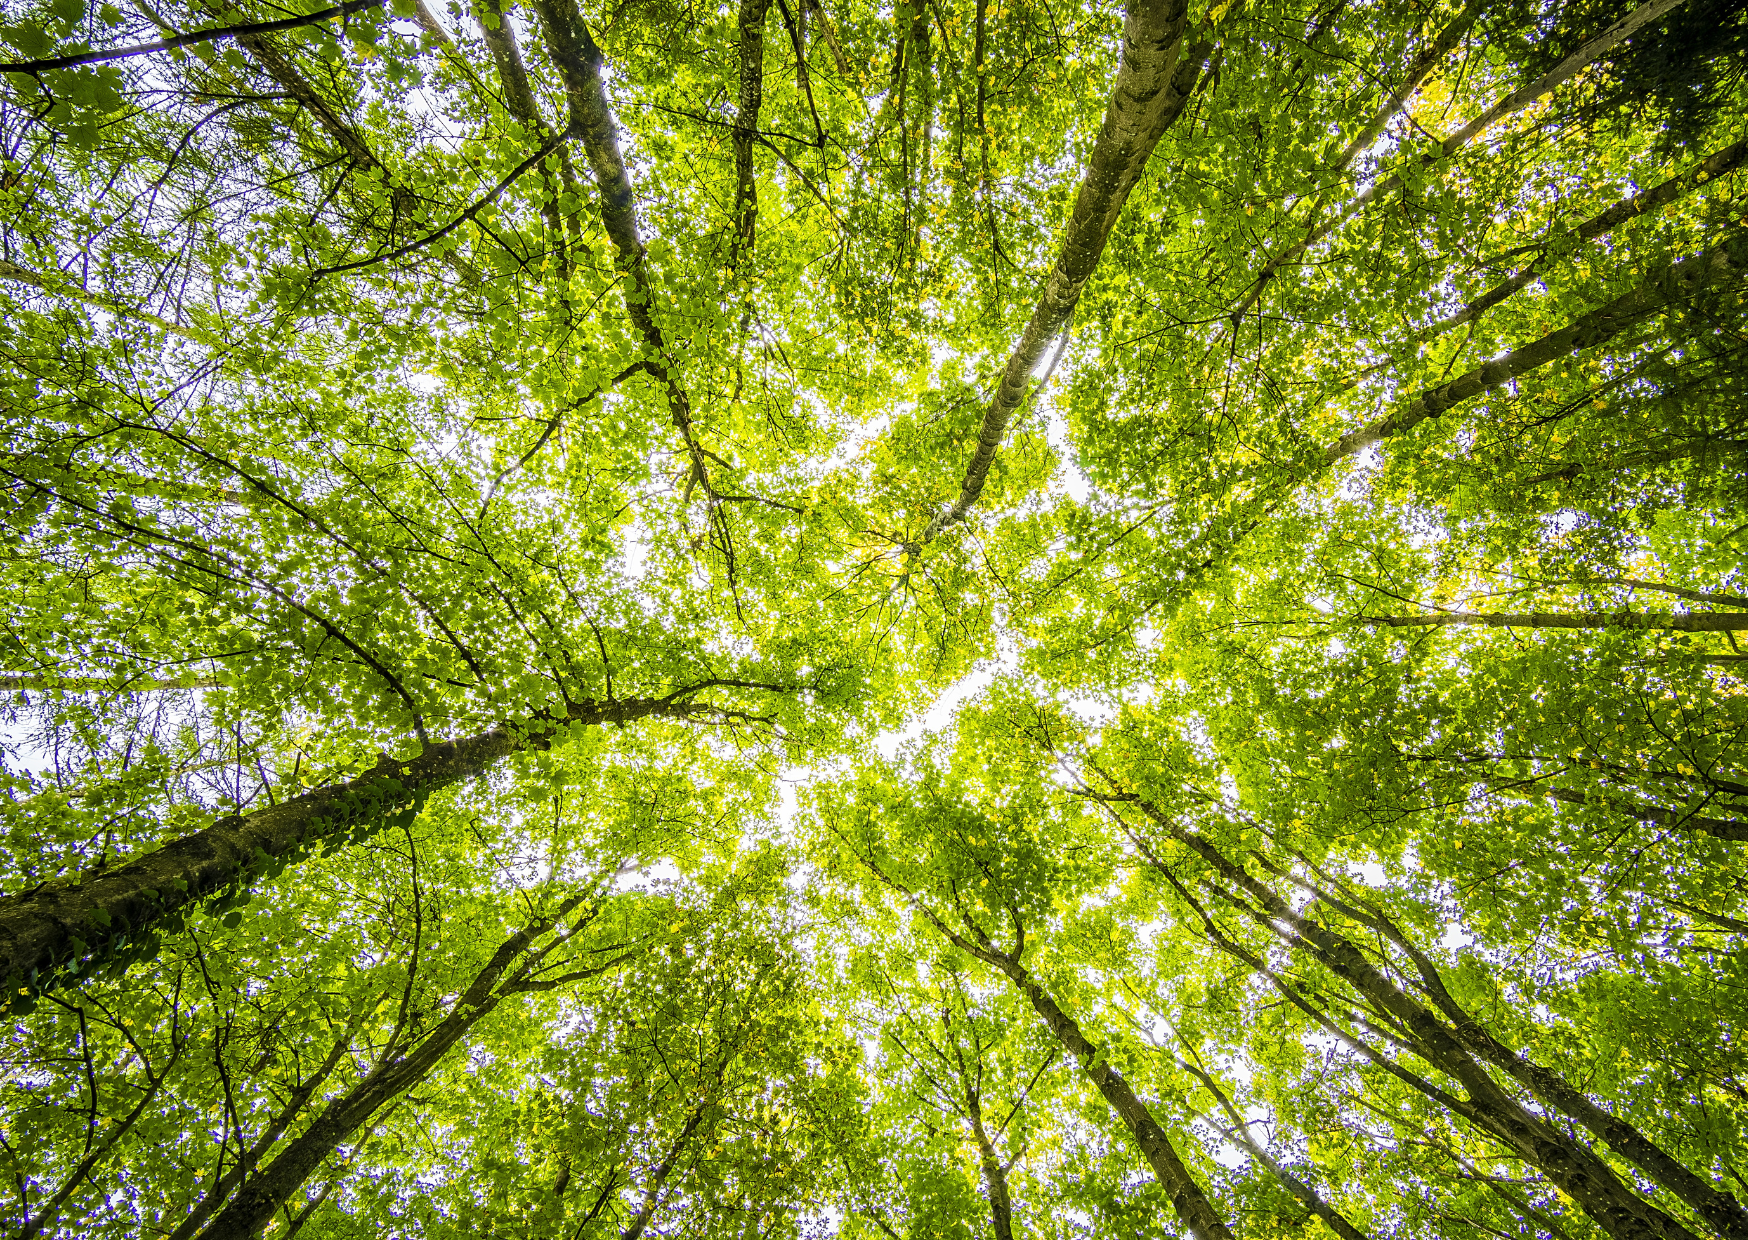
x,y
547,148
187,40
1692,622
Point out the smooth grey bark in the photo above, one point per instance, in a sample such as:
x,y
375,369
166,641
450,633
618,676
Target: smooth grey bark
x,y
1667,287
1187,1198
1154,83
47,925
1575,1169
255,1204
60,285
658,1178
27,682
1692,622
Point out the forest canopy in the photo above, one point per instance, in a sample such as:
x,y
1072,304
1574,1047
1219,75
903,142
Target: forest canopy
x,y
947,619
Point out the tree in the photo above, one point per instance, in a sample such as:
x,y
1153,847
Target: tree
x,y
797,618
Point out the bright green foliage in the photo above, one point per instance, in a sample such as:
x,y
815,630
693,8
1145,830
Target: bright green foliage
x,y
1304,797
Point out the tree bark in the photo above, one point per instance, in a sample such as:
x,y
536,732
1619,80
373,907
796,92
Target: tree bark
x,y
1719,1209
1692,622
251,1209
69,921
1154,83
288,1115
1308,1196
1666,288
1636,460
1423,64
1576,1170
293,82
1722,828
59,285
746,125
24,682
1187,1198
995,1176
519,99
579,62
652,1190
1192,1205
1514,102
1604,222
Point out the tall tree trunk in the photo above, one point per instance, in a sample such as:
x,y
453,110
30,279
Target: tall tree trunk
x,y
658,1177
1519,99
519,99
255,1204
579,62
1719,1209
1441,46
995,1176
1603,222
1187,1198
1308,1196
72,923
1665,289
1575,1169
1191,1204
1154,82
1692,622
404,201
746,125
289,1114
1675,819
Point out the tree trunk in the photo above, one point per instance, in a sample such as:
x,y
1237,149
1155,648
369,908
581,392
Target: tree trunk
x,y
1692,622
1679,820
1424,64
1666,288
578,60
1187,1198
1574,1169
254,1206
995,1176
1514,102
288,1115
1154,83
1719,1209
652,1190
1308,1196
746,124
69,924
519,99
1726,160
1191,1204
